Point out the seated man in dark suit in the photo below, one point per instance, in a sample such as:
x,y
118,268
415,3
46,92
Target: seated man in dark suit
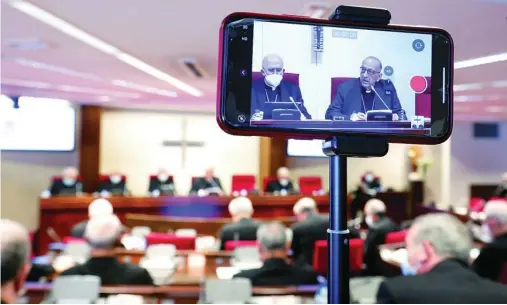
x,y
379,225
115,186
276,271
309,228
283,185
438,249
102,234
501,190
368,188
68,185
493,256
98,208
274,89
357,96
162,184
207,185
243,227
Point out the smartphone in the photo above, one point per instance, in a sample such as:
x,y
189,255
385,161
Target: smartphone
x,y
303,78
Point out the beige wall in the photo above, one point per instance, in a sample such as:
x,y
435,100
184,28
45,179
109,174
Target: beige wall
x,y
131,142
392,168
24,175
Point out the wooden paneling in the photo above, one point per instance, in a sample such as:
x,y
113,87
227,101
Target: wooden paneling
x,y
273,155
89,156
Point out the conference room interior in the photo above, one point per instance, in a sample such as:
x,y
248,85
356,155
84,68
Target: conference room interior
x,y
128,89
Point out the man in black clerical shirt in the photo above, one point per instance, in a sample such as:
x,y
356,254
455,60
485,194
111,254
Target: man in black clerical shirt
x,y
162,184
355,97
283,185
243,227
493,256
276,271
102,234
114,185
207,185
69,184
501,190
274,89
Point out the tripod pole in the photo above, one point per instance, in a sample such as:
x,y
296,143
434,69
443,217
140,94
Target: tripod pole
x,y
338,239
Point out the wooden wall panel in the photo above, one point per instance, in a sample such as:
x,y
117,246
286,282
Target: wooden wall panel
x,y
272,156
89,157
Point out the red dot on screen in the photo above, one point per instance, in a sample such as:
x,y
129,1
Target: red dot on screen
x,y
418,83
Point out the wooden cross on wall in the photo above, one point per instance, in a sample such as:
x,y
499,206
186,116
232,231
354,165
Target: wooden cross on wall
x,y
184,143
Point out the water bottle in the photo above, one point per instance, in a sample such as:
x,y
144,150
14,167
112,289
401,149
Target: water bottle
x,y
321,293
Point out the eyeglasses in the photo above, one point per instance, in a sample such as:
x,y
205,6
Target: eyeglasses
x,y
369,71
274,70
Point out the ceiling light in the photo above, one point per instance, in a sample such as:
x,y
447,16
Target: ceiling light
x,y
499,84
25,83
466,87
480,61
143,88
495,109
104,98
99,44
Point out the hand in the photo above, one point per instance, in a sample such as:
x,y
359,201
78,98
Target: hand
x,y
395,117
359,116
257,116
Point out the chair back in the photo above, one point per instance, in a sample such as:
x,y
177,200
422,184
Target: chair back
x,y
321,256
335,81
76,289
289,77
476,204
161,250
266,181
183,232
231,245
60,178
243,183
309,184
180,242
234,291
105,177
396,237
140,231
122,299
423,100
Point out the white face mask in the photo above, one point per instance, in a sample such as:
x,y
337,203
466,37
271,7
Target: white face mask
x,y
284,182
369,220
68,181
486,234
273,79
115,179
163,177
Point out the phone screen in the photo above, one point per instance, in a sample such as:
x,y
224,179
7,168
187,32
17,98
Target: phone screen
x,y
298,77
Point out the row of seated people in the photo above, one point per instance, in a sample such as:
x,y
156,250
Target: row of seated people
x,y
437,269
163,184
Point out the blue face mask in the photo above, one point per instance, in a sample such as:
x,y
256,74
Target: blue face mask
x,y
68,181
407,269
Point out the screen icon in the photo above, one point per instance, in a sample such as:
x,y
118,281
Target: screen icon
x,y
418,45
244,38
243,72
241,118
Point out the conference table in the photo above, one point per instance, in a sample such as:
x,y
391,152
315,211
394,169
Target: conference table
x,y
399,127
60,214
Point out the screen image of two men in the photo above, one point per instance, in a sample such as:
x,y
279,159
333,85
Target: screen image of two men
x,y
274,97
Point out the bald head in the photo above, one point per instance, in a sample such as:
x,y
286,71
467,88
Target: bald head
x,y
70,173
100,207
15,247
373,63
271,61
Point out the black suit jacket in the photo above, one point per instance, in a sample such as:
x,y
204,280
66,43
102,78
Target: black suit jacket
x,y
164,187
78,230
493,256
112,272
304,236
348,99
450,282
501,191
277,272
59,188
201,184
244,229
275,186
376,236
118,189
287,89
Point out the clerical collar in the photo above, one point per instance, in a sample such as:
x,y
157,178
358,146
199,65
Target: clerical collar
x,y
269,86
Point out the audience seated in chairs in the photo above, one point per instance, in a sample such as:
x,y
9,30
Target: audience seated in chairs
x,y
309,228
15,256
276,271
243,227
493,256
102,233
98,208
379,225
282,185
438,247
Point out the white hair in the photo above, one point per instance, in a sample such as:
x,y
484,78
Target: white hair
x,y
283,171
103,231
496,209
375,206
446,233
100,207
15,248
240,205
271,236
504,176
304,204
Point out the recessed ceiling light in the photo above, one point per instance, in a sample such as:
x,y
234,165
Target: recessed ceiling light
x,y
104,98
25,83
125,84
75,32
466,87
480,61
495,109
499,84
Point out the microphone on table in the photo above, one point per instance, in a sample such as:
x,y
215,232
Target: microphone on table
x,y
402,116
293,102
375,91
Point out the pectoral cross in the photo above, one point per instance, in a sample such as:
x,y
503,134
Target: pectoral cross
x,y
184,143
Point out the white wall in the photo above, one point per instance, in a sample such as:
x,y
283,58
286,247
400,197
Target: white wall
x,y
342,57
475,161
131,142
